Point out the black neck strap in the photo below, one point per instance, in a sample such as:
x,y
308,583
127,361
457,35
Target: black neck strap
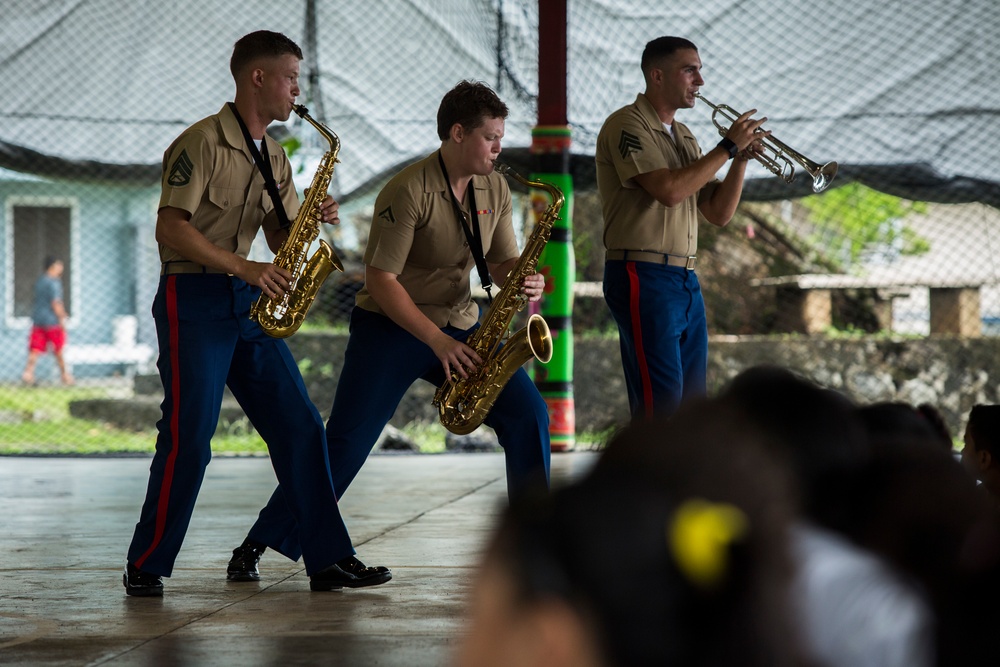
x,y
264,165
474,235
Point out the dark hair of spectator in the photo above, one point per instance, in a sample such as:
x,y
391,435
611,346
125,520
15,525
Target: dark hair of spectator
x,y
984,425
816,430
603,545
892,420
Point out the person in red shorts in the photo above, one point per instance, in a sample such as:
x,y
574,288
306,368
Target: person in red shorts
x,y
48,317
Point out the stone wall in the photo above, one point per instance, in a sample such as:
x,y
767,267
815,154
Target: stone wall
x,y
951,373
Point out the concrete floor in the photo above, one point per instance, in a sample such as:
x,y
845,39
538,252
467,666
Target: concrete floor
x,y
65,525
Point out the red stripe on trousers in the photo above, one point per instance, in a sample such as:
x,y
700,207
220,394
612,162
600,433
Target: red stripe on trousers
x,y
175,393
640,353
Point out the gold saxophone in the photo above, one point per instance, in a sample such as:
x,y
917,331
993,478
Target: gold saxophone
x,y
463,404
283,317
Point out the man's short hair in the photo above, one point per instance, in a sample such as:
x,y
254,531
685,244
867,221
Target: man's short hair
x,y
260,44
49,261
984,425
469,104
660,48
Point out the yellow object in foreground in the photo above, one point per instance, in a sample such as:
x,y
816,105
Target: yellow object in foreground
x,y
700,536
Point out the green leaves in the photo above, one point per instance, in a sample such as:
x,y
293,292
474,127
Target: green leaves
x,y
860,219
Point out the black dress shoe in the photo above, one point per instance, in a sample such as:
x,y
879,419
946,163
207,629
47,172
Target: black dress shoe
x,y
351,573
243,564
141,583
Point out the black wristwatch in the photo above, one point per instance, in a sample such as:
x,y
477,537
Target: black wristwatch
x,y
729,146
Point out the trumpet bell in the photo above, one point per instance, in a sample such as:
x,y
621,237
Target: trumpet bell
x,y
823,176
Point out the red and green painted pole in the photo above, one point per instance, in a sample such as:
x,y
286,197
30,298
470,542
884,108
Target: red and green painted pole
x,y
550,144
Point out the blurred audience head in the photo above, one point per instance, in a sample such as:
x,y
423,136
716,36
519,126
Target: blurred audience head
x,y
816,430
923,514
920,511
981,454
671,550
894,420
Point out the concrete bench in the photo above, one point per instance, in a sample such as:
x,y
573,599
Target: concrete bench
x,y
805,302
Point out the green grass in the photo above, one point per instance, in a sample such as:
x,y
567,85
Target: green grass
x,y
43,403
37,421
70,437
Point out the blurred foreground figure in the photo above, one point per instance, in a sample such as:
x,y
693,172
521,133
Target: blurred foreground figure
x,y
897,555
671,551
854,608
921,511
923,422
981,454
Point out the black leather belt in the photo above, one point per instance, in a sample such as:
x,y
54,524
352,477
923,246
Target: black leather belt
x,y
686,262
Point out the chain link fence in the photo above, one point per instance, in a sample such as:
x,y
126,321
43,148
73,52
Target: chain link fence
x,y
901,247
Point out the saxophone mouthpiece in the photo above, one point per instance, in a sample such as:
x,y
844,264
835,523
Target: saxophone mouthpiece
x,y
300,109
500,167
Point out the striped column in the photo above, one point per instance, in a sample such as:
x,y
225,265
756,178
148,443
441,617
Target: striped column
x,y
550,148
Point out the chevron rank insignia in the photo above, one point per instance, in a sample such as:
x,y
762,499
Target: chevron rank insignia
x,y
180,172
628,144
386,214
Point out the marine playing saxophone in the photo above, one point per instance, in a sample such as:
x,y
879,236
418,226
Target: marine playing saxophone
x,y
463,403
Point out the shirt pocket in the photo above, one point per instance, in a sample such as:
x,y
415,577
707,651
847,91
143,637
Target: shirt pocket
x,y
225,198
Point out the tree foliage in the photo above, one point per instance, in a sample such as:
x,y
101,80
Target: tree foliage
x,y
862,220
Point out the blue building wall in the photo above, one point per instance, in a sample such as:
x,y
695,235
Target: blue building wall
x,y
113,260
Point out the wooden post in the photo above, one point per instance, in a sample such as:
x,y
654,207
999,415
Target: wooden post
x,y
955,311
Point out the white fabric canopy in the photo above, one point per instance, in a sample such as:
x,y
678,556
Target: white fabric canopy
x,y
903,94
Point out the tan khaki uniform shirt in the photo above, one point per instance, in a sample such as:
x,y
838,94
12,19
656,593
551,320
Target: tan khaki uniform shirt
x,y
634,141
416,235
209,172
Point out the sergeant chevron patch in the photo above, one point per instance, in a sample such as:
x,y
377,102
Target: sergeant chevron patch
x,y
628,143
180,172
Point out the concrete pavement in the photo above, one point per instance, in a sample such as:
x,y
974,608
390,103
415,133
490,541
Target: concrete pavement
x,y
65,524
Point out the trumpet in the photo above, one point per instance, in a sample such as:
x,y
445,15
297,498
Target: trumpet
x,y
777,157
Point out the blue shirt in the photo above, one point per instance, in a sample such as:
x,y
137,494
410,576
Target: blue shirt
x,y
47,290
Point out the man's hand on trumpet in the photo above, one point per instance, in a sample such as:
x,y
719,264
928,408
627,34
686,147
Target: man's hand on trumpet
x,y
747,134
752,152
